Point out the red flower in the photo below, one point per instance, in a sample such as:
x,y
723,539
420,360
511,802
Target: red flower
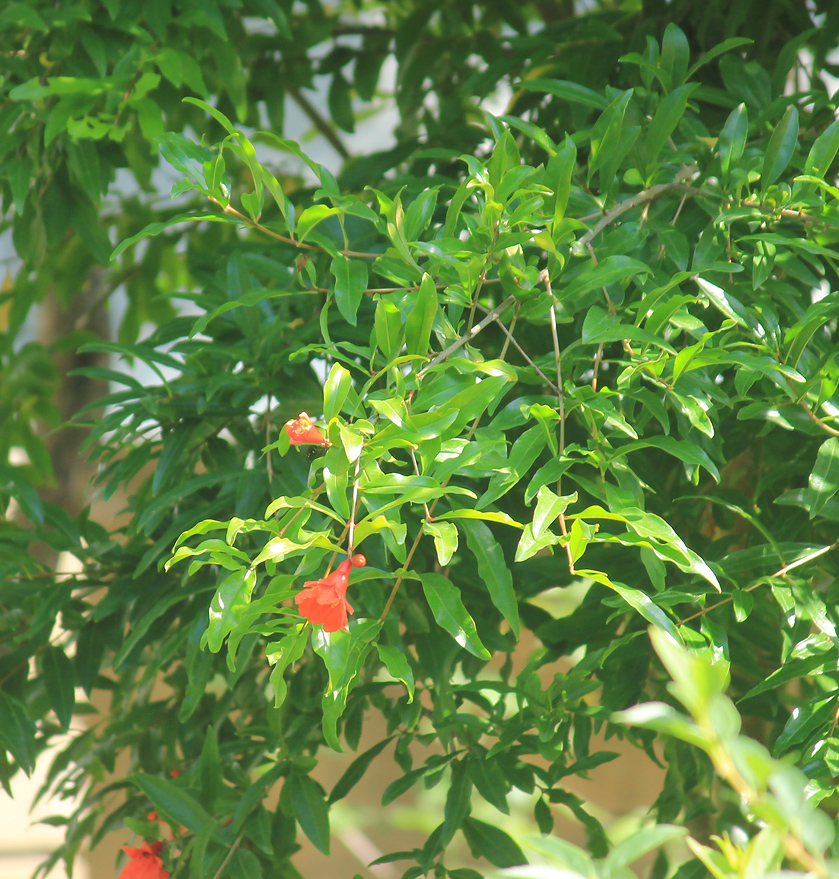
x,y
323,602
145,862
301,430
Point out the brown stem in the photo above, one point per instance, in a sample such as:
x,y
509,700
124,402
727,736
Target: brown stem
x,y
781,572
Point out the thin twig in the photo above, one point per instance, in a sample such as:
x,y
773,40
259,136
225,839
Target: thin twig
x,y
300,245
511,338
639,198
236,843
781,572
545,278
316,119
351,538
491,316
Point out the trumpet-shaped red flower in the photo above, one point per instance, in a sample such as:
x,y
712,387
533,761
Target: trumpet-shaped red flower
x,y
301,430
145,862
324,601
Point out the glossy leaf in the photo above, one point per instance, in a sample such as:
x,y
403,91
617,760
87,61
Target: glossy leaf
x,y
781,147
444,599
350,283
824,479
493,570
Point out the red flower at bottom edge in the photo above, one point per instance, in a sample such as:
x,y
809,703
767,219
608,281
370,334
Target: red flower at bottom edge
x,y
145,862
323,602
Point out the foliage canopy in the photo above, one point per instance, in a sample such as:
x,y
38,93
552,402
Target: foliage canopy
x,y
574,366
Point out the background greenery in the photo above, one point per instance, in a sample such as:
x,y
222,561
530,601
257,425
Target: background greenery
x,y
586,339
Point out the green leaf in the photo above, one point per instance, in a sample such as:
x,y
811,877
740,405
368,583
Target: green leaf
x,y
310,809
420,212
823,151
489,780
639,843
675,55
443,598
343,653
210,770
526,449
781,147
445,539
548,508
388,328
421,318
493,570
492,843
483,515
357,769
732,139
222,120
667,116
534,132
824,479
397,666
174,804
228,604
17,731
608,271
313,215
157,228
458,801
606,134
716,51
637,600
335,390
567,91
350,283
59,680
688,452
339,99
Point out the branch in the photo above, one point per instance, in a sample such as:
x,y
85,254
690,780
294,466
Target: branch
x,y
491,316
316,119
781,572
639,198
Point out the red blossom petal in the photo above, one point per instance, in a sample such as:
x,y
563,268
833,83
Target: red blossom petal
x,y
145,862
323,602
301,430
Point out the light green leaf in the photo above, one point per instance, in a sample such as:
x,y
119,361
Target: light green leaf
x,y
421,318
445,539
335,390
310,217
397,666
548,508
350,283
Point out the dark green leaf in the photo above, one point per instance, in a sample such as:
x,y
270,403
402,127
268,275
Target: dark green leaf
x,y
493,570
310,809
172,802
492,843
59,679
443,598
